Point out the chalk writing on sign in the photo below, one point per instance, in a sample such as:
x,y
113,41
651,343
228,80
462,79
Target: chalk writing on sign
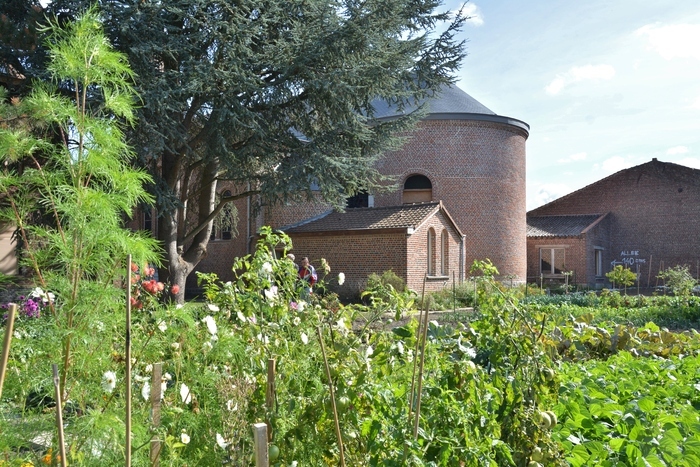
x,y
628,259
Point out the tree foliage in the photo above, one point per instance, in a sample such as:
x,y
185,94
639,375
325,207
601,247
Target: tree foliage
x,y
271,96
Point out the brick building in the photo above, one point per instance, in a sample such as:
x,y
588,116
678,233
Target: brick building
x,y
460,154
646,218
401,238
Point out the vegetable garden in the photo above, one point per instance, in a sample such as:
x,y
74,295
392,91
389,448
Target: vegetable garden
x,y
104,369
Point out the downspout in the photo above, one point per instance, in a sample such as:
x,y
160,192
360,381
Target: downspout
x,y
462,259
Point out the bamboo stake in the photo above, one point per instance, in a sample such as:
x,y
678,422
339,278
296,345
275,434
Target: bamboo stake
x,y
332,391
649,275
415,353
156,381
127,353
260,438
420,375
270,394
59,416
6,343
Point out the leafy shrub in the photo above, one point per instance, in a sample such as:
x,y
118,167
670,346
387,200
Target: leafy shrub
x,y
679,280
385,279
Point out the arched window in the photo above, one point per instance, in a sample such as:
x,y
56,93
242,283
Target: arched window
x,y
431,252
417,189
445,252
225,222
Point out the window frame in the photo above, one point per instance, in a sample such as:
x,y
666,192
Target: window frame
x,y
552,261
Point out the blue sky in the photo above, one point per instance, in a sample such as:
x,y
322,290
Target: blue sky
x,y
604,85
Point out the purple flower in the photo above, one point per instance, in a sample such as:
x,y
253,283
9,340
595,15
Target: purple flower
x,y
31,309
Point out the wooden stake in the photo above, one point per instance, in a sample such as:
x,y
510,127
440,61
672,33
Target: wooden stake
x,y
415,353
260,438
156,381
332,393
270,394
59,416
6,343
420,375
649,275
127,354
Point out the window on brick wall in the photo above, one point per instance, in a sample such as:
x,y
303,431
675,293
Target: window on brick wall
x,y
225,221
445,252
431,252
417,189
552,261
598,258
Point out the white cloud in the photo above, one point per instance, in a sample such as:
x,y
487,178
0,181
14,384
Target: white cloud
x,y
580,73
473,12
579,156
673,40
695,104
677,150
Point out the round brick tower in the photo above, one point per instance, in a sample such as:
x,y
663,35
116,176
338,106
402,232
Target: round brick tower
x,y
474,161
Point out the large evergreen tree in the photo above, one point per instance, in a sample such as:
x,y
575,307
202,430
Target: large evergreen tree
x,y
270,94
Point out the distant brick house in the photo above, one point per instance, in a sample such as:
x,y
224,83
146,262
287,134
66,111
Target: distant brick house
x,y
461,154
646,218
401,238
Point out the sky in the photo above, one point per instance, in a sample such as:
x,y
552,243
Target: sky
x,y
604,85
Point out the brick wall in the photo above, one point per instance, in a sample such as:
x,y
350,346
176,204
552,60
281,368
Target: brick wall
x,y
355,255
478,170
654,215
417,261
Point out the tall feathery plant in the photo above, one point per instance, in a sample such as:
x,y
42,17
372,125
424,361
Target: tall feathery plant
x,y
68,186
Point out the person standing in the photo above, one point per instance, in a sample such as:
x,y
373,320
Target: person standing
x,y
307,274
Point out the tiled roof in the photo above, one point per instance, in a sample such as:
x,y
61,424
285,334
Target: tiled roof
x,y
392,217
450,100
559,226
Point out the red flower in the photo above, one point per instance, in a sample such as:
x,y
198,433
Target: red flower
x,y
134,267
175,289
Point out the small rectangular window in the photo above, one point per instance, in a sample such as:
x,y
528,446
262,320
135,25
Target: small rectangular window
x,y
598,262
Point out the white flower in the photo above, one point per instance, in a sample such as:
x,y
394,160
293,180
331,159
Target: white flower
x,y
301,305
342,327
17,335
44,296
167,377
178,306
341,278
296,321
207,346
185,394
175,345
220,441
184,437
146,391
271,293
304,338
240,315
109,381
267,268
162,326
211,324
149,368
369,351
263,339
399,347
230,406
212,307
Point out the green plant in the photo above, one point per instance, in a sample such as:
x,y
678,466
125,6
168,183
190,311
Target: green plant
x,y
621,275
679,280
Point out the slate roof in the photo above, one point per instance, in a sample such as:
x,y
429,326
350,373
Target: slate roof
x,y
392,217
559,226
451,100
